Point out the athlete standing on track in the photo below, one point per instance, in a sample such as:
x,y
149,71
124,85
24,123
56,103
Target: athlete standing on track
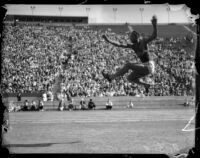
x,y
139,46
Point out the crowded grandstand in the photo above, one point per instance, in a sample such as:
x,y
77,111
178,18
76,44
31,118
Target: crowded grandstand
x,y
32,53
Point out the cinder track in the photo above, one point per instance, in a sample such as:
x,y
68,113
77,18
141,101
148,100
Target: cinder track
x,y
100,131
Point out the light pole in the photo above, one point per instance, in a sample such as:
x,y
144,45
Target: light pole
x,y
168,10
141,11
88,11
115,10
32,9
60,9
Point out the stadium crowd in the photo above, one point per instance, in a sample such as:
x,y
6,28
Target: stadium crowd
x,y
32,57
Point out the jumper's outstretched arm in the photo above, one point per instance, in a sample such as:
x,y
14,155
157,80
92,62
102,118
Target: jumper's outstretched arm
x,y
116,43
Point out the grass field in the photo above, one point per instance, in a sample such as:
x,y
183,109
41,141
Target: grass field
x,y
100,131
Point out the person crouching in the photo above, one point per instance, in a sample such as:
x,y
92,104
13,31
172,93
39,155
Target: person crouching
x,y
91,105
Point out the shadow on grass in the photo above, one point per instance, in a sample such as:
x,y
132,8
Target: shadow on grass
x,y
39,144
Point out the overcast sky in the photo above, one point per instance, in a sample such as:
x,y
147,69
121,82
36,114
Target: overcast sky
x,y
109,13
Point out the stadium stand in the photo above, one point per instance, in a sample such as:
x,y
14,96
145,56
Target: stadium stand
x,y
31,59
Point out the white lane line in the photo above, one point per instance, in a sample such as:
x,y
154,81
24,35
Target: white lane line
x,y
96,120
102,118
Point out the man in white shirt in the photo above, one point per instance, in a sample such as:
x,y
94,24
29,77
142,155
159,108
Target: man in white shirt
x,y
44,96
109,104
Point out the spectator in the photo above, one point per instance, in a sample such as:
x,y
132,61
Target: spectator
x,y
44,96
83,104
61,105
71,105
109,104
19,97
142,94
130,104
17,108
33,106
186,103
41,105
26,106
11,106
60,96
50,95
91,105
77,107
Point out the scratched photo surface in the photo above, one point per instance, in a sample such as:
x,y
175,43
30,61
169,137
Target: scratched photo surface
x,y
60,58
